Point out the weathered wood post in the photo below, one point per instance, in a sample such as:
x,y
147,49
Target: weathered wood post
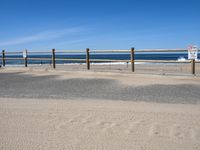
x,y
53,58
25,58
88,58
193,66
132,59
3,58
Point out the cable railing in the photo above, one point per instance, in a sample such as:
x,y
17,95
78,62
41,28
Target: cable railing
x,y
87,56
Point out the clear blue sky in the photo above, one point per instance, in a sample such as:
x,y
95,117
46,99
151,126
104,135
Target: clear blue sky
x,y
98,24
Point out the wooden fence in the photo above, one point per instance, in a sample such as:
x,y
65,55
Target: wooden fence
x,y
88,60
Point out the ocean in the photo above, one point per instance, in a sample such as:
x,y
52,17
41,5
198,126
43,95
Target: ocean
x,y
118,56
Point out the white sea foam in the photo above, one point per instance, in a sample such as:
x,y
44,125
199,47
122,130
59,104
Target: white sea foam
x,y
181,59
118,63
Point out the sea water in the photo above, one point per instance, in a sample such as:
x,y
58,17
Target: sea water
x,y
182,56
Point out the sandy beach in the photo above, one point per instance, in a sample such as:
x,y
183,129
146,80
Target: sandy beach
x,y
99,75
87,110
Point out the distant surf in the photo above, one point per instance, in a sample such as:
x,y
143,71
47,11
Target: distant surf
x,y
180,57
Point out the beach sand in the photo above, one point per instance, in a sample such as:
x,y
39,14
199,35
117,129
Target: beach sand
x,y
111,125
98,110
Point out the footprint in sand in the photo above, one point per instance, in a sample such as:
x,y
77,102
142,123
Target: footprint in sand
x,y
176,132
194,133
180,132
99,125
132,127
158,130
136,126
197,134
63,122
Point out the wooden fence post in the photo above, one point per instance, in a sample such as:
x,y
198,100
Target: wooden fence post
x,y
3,58
53,58
88,58
132,59
25,58
193,66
